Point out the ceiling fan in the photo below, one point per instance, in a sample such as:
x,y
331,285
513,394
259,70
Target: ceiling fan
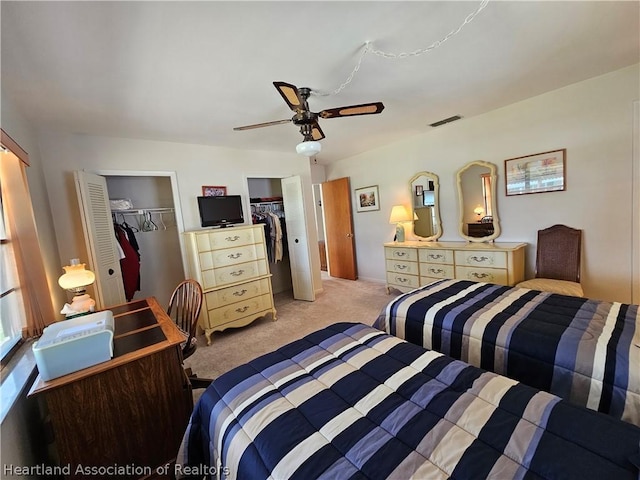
x,y
307,120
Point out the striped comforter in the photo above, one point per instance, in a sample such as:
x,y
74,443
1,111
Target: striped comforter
x,y
585,351
350,401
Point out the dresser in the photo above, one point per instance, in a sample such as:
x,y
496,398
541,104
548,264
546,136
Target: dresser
x,y
232,267
414,264
114,413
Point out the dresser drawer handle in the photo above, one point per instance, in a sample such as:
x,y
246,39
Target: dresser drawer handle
x,y
482,259
402,280
232,239
237,273
435,257
480,275
401,267
234,255
242,310
400,254
240,293
438,271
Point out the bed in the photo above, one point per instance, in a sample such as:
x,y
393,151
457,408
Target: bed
x,y
585,351
352,402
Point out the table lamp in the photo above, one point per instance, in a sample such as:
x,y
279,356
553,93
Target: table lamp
x,y
479,211
75,279
399,214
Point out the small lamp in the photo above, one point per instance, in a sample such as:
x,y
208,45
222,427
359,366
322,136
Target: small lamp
x,y
75,279
478,211
399,214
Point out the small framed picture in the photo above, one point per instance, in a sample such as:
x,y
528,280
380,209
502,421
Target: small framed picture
x,y
367,199
538,173
213,191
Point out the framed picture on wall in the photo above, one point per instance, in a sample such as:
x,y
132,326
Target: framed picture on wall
x,y
538,173
213,191
367,199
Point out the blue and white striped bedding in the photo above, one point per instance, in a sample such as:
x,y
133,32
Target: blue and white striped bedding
x,y
352,402
585,351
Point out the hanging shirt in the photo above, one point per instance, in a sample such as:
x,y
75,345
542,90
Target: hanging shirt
x,y
130,264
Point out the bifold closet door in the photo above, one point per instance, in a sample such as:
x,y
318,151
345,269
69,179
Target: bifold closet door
x,y
100,239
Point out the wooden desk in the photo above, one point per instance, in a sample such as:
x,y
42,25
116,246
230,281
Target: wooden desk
x,y
130,411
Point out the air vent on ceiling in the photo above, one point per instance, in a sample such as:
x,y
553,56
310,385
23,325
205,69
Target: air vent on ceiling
x,y
446,120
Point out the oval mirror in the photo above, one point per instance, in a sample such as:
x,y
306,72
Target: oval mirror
x,y
426,212
477,202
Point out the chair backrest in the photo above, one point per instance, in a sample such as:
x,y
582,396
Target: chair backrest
x,y
184,309
558,253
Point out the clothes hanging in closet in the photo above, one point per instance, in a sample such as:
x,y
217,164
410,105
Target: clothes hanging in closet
x,y
130,264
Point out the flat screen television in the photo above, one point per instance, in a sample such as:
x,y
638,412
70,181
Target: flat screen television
x,y
220,211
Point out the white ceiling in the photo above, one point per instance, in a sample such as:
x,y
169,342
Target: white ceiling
x,y
191,71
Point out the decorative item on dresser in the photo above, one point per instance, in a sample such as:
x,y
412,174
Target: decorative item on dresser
x,y
112,414
231,265
413,264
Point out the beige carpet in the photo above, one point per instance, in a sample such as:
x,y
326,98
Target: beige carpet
x,y
341,301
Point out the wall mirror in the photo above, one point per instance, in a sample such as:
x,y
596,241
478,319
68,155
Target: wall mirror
x,y
426,211
477,202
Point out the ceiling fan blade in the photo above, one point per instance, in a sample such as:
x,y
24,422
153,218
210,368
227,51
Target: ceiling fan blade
x,y
364,109
266,124
316,132
290,94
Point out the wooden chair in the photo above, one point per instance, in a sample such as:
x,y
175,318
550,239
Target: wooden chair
x,y
184,309
557,261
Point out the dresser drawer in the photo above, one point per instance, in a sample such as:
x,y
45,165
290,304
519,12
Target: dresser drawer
x,y
402,280
436,271
237,293
398,266
235,311
227,238
234,273
480,258
490,275
399,253
436,256
231,256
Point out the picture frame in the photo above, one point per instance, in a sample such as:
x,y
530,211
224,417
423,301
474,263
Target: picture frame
x,y
367,199
537,173
213,190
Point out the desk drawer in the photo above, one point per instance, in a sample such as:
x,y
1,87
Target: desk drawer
x,y
398,266
399,253
490,275
436,256
227,238
481,258
234,273
231,256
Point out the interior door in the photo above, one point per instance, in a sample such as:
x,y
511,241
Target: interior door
x,y
104,256
338,224
297,239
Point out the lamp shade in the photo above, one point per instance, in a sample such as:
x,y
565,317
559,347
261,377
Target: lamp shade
x,y
399,214
76,277
478,210
308,148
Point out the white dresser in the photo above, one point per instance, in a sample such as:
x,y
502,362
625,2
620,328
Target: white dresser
x,y
232,267
413,264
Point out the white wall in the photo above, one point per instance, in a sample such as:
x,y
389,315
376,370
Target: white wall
x,y
593,120
195,166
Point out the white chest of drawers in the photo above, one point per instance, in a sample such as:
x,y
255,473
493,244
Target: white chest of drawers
x,y
231,265
413,264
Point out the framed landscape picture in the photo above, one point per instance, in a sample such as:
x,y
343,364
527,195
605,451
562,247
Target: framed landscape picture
x,y
213,191
541,172
367,199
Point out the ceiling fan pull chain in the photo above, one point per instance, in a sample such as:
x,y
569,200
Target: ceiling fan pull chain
x,y
415,53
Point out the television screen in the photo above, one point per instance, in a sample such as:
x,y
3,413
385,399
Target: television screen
x,y
220,211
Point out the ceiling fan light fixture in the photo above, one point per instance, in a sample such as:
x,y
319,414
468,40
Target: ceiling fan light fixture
x,y
309,148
